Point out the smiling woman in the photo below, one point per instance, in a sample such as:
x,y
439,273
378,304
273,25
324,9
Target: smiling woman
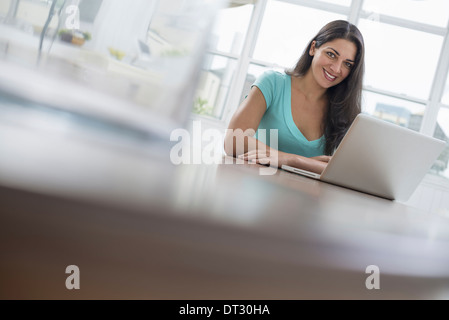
x,y
329,62
310,107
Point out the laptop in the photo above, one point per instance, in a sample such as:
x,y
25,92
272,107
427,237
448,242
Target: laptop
x,y
379,158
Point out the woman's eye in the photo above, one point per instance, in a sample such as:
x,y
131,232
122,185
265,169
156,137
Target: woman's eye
x,y
348,65
330,54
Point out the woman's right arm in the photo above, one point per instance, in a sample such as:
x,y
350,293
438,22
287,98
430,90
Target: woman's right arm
x,y
239,140
244,123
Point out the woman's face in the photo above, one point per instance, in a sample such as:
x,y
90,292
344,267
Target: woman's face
x,y
332,62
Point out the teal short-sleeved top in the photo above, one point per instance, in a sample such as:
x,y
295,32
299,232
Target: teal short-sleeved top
x,y
276,89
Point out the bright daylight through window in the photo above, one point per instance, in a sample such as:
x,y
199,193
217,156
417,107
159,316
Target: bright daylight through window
x,y
407,57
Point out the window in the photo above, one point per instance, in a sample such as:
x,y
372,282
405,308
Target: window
x,y
220,65
286,29
345,3
213,86
398,111
441,166
406,50
394,60
435,12
230,29
445,98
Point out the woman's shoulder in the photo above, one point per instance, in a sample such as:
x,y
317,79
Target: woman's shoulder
x,y
272,76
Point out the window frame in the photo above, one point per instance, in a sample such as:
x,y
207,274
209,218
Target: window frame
x,y
354,13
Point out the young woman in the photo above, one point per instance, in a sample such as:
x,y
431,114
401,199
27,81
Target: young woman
x,y
310,106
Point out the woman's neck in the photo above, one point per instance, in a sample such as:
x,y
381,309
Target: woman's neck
x,y
309,87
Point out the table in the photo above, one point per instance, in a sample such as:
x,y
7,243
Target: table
x,y
139,227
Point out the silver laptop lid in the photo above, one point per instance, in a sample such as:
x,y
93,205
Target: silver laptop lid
x,y
382,158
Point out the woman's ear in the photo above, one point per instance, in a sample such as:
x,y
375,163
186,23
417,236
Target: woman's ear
x,y
312,48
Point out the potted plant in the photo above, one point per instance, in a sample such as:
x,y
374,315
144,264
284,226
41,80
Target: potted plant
x,y
75,37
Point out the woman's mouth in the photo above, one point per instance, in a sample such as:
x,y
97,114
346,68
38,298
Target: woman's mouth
x,y
328,76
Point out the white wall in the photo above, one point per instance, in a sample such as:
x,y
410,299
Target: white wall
x,y
117,20
432,195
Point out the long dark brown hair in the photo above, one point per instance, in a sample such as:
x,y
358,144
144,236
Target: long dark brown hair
x,y
345,99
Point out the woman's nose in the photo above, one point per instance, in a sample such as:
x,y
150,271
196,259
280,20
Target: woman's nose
x,y
336,67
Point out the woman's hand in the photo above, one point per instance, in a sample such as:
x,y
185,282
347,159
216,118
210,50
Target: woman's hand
x,y
269,157
323,158
275,158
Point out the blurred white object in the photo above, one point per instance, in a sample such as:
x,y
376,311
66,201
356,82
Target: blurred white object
x,y
108,76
